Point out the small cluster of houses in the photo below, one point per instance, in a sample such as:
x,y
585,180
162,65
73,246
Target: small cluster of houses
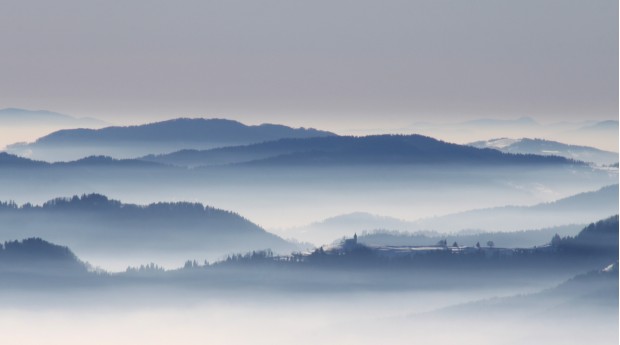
x,y
490,250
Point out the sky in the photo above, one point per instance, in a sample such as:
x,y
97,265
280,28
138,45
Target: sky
x,y
333,64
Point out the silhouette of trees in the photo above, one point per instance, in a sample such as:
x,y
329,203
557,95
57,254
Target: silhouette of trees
x,y
192,264
254,256
597,238
149,268
556,240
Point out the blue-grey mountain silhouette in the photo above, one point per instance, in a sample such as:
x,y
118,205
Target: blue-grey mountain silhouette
x,y
98,227
343,150
36,256
12,161
548,147
608,125
158,137
580,208
22,117
469,226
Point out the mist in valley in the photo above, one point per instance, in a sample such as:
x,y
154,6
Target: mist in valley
x,y
295,196
363,240
402,172
340,295
363,318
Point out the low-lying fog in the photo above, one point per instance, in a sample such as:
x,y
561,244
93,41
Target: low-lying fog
x,y
277,199
341,318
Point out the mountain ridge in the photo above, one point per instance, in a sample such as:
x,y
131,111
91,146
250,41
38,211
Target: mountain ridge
x,y
374,149
548,147
21,117
94,224
155,137
582,207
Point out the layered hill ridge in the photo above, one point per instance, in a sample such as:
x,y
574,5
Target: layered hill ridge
x,y
342,150
577,209
34,255
157,137
548,147
16,117
12,161
319,152
104,230
180,130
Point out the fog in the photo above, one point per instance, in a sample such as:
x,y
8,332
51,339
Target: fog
x,y
277,199
602,136
277,325
567,291
174,316
284,198
192,230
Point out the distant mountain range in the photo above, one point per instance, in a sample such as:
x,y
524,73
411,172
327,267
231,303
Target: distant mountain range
x,y
345,150
158,137
106,230
44,118
524,121
319,152
405,180
20,125
600,134
10,161
578,209
609,125
548,147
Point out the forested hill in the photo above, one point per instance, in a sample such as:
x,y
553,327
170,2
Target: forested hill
x,y
94,224
342,150
158,137
36,255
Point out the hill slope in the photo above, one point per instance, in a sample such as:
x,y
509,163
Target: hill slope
x,y
107,231
581,208
577,209
342,150
14,117
165,136
548,147
34,255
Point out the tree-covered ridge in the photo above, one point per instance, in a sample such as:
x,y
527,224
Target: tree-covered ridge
x,y
595,245
35,249
8,160
101,203
595,239
373,149
35,255
335,266
98,226
548,147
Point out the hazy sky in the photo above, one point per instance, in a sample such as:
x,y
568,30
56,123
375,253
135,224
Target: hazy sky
x,y
331,64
